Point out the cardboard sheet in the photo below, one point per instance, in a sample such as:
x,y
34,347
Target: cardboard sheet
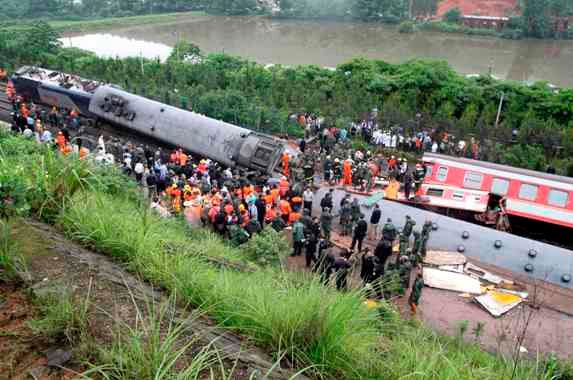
x,y
438,258
447,280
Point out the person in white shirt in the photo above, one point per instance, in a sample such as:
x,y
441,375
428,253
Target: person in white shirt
x,y
307,198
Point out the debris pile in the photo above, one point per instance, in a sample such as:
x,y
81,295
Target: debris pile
x,y
451,271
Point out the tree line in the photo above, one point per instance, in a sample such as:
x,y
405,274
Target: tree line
x,y
537,20
535,128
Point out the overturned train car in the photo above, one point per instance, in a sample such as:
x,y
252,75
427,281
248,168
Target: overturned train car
x,y
223,142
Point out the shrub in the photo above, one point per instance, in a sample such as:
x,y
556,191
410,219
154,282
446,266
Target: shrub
x,y
407,27
453,15
267,247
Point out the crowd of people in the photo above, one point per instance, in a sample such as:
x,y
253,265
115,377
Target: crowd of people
x,y
237,205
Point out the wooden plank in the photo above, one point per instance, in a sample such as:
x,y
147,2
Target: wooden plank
x,y
438,258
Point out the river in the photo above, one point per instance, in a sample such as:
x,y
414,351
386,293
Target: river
x,y
328,43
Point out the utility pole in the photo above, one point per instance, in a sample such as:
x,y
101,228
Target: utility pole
x,y
499,110
141,60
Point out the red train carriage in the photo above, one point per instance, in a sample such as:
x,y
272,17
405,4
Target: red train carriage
x,y
493,191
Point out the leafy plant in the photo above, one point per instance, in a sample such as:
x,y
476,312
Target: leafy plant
x,y
267,247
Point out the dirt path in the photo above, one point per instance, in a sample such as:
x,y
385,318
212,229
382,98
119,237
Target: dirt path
x,y
56,265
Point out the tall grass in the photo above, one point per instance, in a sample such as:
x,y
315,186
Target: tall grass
x,y
155,348
11,261
62,317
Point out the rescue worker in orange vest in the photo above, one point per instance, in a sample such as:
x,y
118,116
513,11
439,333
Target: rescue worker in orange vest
x,y
61,141
67,149
284,186
83,152
293,217
244,216
270,214
296,202
347,172
285,209
285,158
176,198
275,192
183,158
269,199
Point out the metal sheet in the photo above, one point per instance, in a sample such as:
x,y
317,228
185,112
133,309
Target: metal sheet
x,y
457,282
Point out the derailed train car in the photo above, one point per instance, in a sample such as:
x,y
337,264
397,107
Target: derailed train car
x,y
54,88
223,142
220,141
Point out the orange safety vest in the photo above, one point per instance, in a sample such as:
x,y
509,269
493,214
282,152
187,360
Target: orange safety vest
x,y
67,150
83,153
293,217
275,193
285,207
269,199
183,159
61,140
283,187
270,214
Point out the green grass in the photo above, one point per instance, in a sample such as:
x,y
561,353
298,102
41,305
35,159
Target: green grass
x,y
290,314
66,26
62,317
11,261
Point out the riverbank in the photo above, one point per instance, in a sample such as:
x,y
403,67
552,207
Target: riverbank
x,y
81,26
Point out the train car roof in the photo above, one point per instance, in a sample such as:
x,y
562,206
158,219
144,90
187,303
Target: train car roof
x,y
56,78
434,157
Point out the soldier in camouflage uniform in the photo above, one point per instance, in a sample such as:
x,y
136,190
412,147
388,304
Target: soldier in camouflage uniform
x,y
405,235
355,210
426,229
326,223
346,218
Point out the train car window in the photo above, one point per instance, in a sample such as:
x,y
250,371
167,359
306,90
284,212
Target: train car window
x,y
458,196
528,192
429,171
435,192
473,180
499,186
557,198
442,173
263,154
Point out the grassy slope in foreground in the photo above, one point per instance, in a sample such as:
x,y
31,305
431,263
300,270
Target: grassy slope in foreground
x,y
285,312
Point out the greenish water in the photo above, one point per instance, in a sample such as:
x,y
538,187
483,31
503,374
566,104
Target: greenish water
x,y
325,43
